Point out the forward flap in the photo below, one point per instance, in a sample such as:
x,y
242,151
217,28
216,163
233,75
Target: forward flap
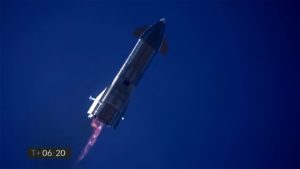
x,y
164,47
139,31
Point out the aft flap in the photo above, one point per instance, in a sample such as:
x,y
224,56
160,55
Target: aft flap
x,y
164,47
139,31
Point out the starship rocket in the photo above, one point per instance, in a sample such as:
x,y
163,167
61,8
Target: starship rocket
x,y
109,106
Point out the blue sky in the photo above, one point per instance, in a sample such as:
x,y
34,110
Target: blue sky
x,y
226,96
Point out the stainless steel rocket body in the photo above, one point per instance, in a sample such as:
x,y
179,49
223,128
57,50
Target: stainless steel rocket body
x,y
112,103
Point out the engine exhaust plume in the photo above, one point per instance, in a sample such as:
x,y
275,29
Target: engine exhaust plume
x,y
97,127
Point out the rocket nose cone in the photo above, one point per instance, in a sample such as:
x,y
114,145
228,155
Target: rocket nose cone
x,y
163,20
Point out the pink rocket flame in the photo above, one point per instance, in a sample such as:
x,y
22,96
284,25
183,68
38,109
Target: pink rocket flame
x,y
97,126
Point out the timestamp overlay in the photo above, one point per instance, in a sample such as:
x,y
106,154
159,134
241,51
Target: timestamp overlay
x,y
51,153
